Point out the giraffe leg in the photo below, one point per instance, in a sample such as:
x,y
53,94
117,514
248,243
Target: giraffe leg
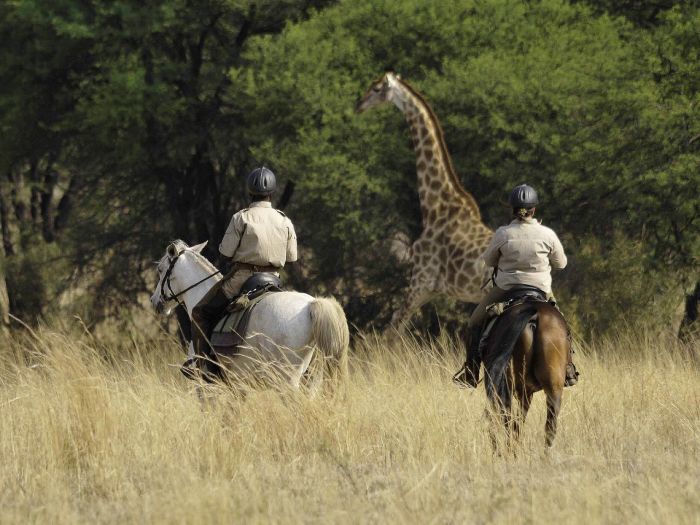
x,y
421,289
416,298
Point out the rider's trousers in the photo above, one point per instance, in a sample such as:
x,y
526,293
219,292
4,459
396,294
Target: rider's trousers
x,y
209,309
473,361
204,315
495,295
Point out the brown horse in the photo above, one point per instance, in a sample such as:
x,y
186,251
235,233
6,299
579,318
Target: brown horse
x,y
526,352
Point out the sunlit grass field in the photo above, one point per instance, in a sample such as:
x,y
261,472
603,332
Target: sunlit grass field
x,y
104,429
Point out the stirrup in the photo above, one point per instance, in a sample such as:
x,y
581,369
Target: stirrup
x,y
571,378
460,378
189,369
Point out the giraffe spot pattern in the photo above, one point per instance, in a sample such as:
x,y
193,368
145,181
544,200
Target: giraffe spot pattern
x,y
452,238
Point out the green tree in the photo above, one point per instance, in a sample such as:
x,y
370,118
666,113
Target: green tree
x,y
644,13
128,123
124,128
544,92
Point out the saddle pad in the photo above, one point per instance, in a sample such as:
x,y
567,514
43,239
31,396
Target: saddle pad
x,y
496,310
231,328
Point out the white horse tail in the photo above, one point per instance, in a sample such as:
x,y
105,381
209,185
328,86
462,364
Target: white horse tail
x,y
330,334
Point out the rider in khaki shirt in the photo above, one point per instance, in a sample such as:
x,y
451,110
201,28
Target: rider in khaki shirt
x,y
522,253
258,239
525,252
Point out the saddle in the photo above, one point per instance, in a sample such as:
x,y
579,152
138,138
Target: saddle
x,y
515,297
261,282
229,331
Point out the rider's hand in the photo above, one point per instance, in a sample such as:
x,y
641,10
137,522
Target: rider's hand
x,y
224,264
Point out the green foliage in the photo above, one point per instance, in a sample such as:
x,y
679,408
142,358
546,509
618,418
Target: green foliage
x,y
546,93
645,13
609,286
134,123
31,279
122,124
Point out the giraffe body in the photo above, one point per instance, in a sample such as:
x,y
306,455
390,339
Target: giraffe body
x,y
445,259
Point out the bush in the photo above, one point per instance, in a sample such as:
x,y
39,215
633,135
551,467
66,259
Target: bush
x,y
607,286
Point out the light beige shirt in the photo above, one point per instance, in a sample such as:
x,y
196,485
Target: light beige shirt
x,y
260,235
525,253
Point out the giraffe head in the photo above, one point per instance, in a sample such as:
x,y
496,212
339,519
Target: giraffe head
x,y
383,90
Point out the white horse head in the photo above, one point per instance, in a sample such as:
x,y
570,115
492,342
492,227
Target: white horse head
x,y
179,268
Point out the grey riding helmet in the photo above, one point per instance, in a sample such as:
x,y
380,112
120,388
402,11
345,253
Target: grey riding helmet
x,y
523,196
261,181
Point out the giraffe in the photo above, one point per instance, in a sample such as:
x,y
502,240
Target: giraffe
x,y
444,260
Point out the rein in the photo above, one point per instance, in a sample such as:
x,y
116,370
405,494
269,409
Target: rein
x,y
166,279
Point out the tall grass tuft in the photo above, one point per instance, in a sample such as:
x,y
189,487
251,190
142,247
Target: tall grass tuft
x,y
105,430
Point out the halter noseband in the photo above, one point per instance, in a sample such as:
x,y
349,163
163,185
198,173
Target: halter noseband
x,y
166,281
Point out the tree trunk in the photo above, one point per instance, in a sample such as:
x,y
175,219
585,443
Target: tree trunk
x,y
4,304
690,326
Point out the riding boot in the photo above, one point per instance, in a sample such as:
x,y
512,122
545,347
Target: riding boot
x,y
468,375
203,359
571,372
204,318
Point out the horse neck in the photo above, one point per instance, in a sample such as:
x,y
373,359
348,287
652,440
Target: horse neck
x,y
188,271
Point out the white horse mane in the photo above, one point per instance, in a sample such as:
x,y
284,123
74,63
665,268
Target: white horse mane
x,y
181,246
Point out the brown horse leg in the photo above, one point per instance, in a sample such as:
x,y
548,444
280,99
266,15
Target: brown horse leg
x,y
522,359
500,420
525,398
553,405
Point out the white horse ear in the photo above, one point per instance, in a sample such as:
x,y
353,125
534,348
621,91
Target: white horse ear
x,y
199,247
171,250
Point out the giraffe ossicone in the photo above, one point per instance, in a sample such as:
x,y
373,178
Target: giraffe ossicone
x,y
444,259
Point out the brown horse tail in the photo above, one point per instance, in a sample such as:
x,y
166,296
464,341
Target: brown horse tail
x,y
499,352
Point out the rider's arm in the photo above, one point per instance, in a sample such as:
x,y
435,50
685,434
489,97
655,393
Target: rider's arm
x,y
557,257
232,238
493,253
291,243
224,263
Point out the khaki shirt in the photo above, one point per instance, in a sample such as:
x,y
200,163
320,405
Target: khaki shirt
x,y
525,253
260,235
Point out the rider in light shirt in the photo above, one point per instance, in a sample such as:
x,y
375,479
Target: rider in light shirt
x,y
258,239
522,253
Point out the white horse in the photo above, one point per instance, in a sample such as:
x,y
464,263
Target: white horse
x,y
285,328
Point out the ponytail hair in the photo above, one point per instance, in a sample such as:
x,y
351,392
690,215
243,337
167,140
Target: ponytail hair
x,y
523,213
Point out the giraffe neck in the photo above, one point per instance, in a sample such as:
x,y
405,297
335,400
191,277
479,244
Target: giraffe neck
x,y
438,184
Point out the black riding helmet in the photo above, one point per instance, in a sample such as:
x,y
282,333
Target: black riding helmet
x,y
261,181
523,196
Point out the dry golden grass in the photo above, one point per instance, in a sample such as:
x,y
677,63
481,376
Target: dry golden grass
x,y
108,432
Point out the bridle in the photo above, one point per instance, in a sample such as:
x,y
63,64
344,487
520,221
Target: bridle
x,y
166,281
